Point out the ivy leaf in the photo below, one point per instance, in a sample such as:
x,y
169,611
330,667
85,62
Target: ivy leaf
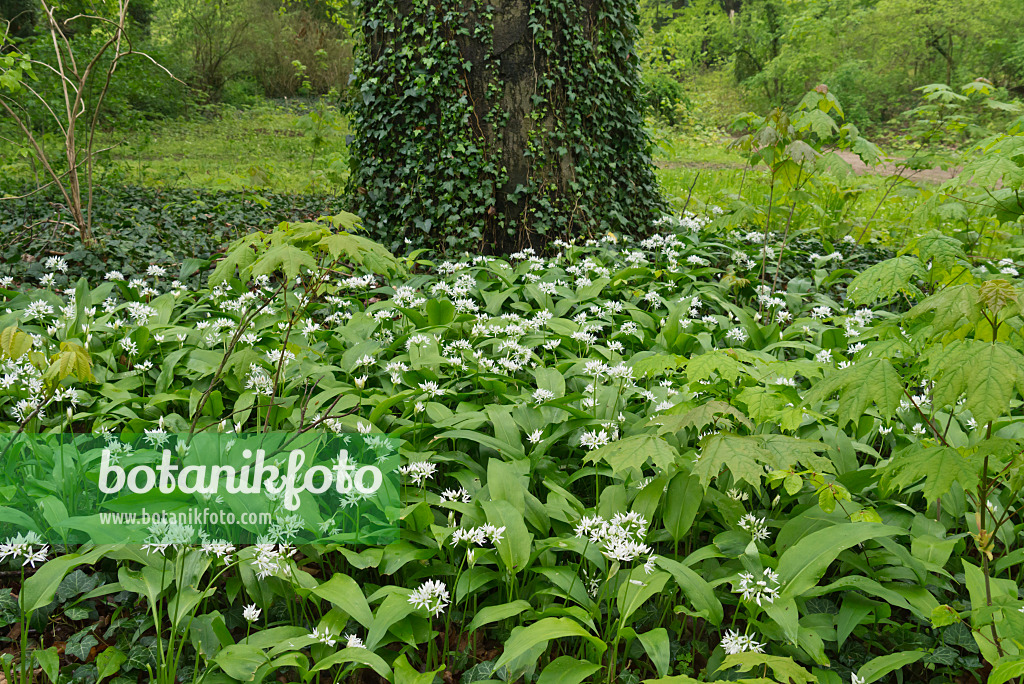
x,y
81,644
76,583
873,381
938,466
886,279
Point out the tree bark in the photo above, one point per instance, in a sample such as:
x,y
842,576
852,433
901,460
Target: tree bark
x,y
549,98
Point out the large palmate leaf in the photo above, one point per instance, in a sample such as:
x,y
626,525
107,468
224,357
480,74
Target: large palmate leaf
x,y
873,381
985,372
886,279
938,466
630,453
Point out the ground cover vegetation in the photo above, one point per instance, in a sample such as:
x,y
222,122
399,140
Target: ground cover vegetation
x,y
773,435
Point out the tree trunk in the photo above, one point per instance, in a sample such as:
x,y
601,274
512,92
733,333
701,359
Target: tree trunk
x,y
493,129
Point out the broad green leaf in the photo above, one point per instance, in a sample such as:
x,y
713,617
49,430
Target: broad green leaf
x,y
39,589
241,661
345,592
803,564
635,592
684,497
49,661
696,589
703,366
699,418
361,656
109,662
1006,669
876,668
872,381
939,466
743,456
543,631
886,279
489,614
656,643
286,258
395,607
567,670
630,453
784,669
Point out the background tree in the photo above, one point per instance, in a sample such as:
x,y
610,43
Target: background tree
x,y
500,126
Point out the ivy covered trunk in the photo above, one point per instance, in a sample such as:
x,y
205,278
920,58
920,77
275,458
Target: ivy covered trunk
x,y
496,126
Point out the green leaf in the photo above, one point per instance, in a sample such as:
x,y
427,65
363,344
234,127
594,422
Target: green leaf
x,y
543,631
686,494
939,466
517,542
345,592
873,381
395,607
696,589
80,644
241,661
743,457
886,279
1006,669
39,589
953,306
803,564
876,668
630,453
109,662
944,251
703,366
286,258
784,669
489,614
699,418
361,656
995,369
658,648
49,661
637,591
567,670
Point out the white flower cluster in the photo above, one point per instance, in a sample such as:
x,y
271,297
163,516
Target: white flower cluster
x,y
28,548
620,538
431,595
764,588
